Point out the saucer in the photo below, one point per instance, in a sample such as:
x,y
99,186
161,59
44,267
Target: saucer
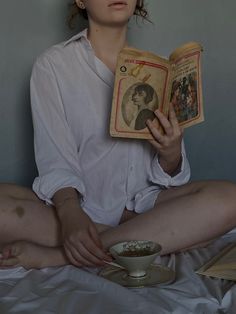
x,y
156,275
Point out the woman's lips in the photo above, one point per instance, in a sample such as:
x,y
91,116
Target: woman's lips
x,y
118,4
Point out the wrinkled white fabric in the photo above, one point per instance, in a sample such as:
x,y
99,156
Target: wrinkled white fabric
x,y
71,95
68,290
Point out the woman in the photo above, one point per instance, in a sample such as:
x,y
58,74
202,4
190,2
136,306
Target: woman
x,y
93,191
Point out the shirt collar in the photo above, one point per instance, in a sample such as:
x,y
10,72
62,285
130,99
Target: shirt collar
x,y
99,67
82,34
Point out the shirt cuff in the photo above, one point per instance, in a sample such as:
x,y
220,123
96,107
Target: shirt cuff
x,y
164,179
47,185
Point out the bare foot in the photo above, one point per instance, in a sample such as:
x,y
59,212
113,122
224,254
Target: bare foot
x,y
30,255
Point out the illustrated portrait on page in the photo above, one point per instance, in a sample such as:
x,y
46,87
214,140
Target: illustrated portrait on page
x,y
138,105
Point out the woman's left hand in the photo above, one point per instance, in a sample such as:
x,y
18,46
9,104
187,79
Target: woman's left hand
x,y
167,144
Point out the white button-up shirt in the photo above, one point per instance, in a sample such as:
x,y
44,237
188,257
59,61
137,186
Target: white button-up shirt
x,y
71,96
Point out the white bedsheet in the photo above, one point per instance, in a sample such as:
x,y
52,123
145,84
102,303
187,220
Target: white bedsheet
x,y
68,290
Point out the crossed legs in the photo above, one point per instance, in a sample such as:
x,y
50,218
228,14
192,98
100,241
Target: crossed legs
x,y
182,217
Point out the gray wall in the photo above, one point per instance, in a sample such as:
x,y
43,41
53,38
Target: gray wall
x,y
27,27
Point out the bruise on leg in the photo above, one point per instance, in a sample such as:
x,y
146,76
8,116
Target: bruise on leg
x,y
20,211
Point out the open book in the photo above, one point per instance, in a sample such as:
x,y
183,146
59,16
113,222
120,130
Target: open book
x,y
145,82
223,265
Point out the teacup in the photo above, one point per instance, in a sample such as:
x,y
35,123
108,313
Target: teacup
x,y
135,256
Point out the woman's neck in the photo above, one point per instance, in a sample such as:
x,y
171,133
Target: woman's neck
x,y
107,42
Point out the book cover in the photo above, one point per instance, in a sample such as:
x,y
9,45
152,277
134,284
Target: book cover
x,y
223,265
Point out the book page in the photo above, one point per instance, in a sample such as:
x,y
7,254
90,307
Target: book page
x,y
186,91
141,82
223,265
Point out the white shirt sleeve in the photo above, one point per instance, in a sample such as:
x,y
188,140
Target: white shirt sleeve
x,y
55,148
158,176
145,199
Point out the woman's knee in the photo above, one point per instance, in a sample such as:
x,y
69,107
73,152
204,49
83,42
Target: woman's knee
x,y
221,194
224,194
223,189
228,194
16,192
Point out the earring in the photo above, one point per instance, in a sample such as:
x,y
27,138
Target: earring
x,y
81,5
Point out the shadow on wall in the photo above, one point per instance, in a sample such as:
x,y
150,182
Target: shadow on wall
x,y
26,32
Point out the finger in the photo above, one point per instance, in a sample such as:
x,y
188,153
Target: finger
x,y
164,122
75,258
70,257
94,235
96,238
90,256
6,253
11,251
9,256
99,251
10,262
172,117
181,130
82,254
156,145
96,253
155,132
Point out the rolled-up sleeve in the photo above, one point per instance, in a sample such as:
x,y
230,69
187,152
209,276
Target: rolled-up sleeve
x,y
161,178
55,147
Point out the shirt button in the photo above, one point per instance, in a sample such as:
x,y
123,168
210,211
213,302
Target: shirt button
x,y
131,168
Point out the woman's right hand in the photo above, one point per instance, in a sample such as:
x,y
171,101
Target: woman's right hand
x,y
80,238
81,241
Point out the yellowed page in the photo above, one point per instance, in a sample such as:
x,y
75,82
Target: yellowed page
x,y
140,88
186,84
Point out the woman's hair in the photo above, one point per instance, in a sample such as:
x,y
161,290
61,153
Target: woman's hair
x,y
147,89
75,10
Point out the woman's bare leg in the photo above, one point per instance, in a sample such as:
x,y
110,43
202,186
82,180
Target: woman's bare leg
x,y
29,230
32,255
182,217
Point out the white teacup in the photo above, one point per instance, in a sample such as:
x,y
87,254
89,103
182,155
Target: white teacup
x,y
135,256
